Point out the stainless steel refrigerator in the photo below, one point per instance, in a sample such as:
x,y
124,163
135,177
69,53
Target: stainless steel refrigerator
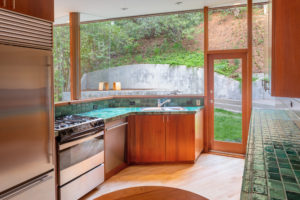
x,y
26,133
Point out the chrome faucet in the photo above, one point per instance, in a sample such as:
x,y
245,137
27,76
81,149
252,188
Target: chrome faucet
x,y
160,104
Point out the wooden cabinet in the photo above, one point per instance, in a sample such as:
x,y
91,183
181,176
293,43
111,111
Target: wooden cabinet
x,y
199,133
285,47
165,138
43,9
147,141
180,137
2,4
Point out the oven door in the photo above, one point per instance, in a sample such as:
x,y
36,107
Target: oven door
x,y
80,156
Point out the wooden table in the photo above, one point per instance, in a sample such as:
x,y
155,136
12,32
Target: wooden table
x,y
151,193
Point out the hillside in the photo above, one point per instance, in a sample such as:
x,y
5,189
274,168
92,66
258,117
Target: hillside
x,y
225,32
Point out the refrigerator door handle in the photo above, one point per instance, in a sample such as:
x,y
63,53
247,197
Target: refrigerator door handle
x,y
25,187
49,65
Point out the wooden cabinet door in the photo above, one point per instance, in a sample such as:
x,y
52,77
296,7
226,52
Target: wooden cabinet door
x,y
180,138
5,4
286,50
199,133
148,139
43,9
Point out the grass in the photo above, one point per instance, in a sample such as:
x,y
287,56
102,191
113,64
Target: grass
x,y
172,54
228,126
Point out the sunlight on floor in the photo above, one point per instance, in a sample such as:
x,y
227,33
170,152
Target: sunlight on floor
x,y
212,176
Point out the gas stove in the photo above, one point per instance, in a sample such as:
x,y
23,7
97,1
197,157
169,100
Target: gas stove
x,y
73,127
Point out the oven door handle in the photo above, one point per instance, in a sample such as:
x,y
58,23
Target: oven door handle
x,y
80,135
76,142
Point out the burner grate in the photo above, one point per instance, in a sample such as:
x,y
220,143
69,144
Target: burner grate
x,y
71,120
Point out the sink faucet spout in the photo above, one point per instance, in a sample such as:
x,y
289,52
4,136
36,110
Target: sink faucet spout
x,y
160,104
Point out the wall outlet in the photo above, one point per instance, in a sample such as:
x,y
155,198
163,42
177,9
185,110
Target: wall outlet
x,y
198,102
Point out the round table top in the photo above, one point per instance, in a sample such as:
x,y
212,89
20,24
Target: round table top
x,y
151,193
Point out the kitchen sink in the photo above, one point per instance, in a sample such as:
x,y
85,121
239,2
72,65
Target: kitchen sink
x,y
173,108
163,109
153,109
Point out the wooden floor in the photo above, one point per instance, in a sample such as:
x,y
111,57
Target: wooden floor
x,y
213,176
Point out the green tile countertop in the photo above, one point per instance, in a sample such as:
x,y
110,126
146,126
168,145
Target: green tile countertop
x,y
272,165
110,114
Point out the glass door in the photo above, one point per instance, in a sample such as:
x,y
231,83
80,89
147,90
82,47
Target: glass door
x,y
227,95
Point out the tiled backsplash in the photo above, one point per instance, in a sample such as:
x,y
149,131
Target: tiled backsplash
x,y
125,102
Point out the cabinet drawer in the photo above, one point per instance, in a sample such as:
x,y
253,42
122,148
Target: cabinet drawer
x,y
74,171
82,185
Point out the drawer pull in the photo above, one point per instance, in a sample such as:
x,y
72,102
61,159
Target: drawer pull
x,y
116,126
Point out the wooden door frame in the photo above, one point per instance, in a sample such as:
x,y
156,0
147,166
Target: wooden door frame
x,y
229,147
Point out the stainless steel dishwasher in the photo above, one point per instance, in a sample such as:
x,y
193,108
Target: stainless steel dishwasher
x,y
115,144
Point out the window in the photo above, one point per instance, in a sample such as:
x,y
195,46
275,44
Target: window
x,y
157,55
261,57
227,28
61,57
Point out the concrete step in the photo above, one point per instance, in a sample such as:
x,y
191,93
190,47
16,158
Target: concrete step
x,y
229,107
228,101
264,104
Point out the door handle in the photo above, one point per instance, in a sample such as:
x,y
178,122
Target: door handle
x,y
25,187
14,4
4,3
50,107
79,141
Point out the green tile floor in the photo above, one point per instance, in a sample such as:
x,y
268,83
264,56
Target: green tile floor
x,y
272,165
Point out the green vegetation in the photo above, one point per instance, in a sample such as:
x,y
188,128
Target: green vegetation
x,y
166,53
266,79
166,39
189,59
61,58
174,55
228,126
227,69
122,42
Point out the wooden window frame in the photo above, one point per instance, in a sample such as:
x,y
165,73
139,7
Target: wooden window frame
x,y
248,86
75,58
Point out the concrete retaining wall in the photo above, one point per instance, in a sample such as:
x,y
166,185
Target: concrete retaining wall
x,y
163,79
148,76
